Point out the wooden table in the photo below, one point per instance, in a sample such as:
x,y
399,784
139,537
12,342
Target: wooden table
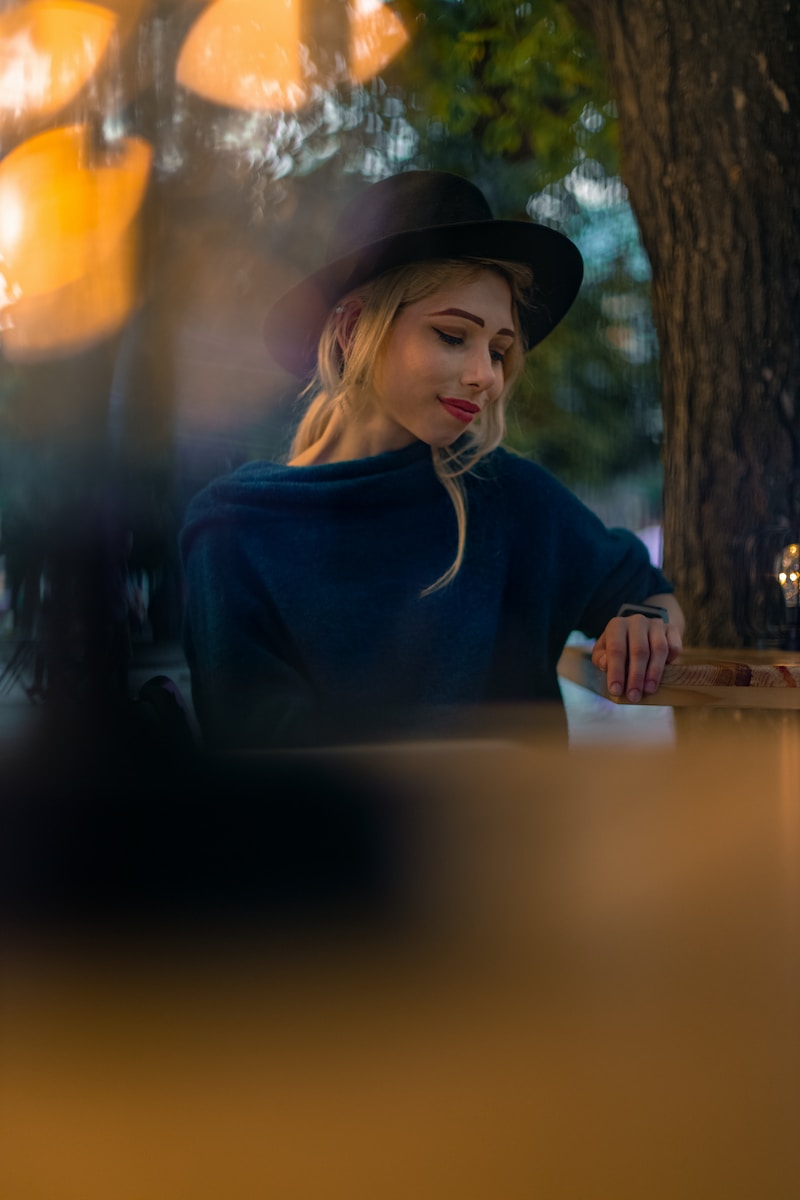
x,y
705,676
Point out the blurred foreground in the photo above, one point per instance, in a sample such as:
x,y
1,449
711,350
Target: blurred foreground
x,y
482,969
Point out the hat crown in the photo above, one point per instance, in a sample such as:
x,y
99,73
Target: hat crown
x,y
404,203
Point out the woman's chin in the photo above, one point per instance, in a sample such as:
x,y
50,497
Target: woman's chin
x,y
444,441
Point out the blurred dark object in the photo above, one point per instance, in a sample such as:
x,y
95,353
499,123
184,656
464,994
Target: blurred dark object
x,y
163,715
114,820
23,547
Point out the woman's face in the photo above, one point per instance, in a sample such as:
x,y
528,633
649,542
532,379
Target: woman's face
x,y
443,363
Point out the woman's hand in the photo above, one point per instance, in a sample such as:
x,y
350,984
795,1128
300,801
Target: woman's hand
x,y
633,651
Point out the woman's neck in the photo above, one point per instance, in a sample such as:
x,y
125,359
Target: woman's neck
x,y
346,439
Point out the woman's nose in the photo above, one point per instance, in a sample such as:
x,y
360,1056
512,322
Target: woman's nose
x,y
479,370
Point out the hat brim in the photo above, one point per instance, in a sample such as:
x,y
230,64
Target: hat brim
x,y
294,323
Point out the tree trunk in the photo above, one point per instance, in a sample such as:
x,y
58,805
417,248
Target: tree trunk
x,y
708,93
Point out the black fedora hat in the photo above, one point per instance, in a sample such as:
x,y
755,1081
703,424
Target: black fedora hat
x,y
411,217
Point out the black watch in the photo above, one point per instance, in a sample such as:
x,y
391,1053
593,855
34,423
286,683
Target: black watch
x,y
646,610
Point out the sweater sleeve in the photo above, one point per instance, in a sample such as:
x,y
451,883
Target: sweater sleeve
x,y
584,570
623,574
249,688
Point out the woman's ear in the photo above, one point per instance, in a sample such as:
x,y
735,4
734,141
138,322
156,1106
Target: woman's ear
x,y
347,315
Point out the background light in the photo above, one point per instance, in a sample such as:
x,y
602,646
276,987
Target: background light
x,y
246,54
48,52
376,35
67,246
71,318
250,54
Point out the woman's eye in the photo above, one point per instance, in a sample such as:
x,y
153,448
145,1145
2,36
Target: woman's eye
x,y
448,338
498,356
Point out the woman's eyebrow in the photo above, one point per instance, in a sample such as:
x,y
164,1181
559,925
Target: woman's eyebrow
x,y
459,312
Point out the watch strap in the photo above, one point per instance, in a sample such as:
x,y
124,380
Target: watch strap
x,y
644,610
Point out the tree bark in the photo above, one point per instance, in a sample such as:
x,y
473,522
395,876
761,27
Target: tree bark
x,y
708,94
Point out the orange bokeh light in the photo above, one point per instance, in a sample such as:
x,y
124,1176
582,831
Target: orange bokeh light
x,y
376,36
68,238
48,51
246,54
81,313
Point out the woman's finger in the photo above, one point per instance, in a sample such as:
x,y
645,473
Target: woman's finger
x,y
639,654
659,649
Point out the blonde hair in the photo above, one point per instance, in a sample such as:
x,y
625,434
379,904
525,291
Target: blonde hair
x,y
346,379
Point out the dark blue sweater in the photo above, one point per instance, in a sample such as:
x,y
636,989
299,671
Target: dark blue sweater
x,y
304,621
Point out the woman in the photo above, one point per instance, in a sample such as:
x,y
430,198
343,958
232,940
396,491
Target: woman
x,y
402,567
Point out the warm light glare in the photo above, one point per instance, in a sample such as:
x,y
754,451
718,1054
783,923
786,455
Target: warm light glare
x,y
377,35
63,213
246,54
67,247
48,51
80,314
787,572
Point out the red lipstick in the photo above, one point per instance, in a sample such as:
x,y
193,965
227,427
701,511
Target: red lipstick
x,y
463,410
